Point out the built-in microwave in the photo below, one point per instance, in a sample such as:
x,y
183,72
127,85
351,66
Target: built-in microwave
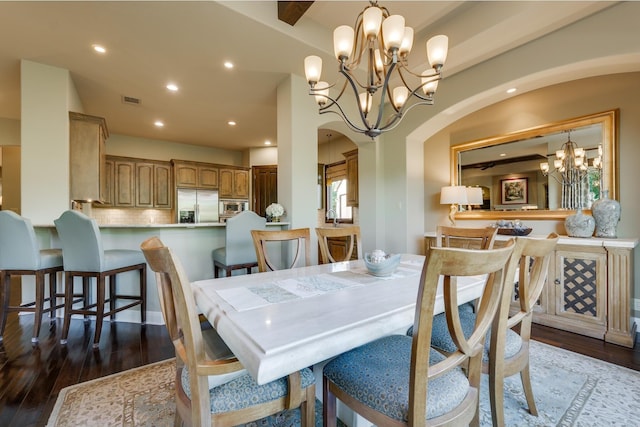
x,y
233,207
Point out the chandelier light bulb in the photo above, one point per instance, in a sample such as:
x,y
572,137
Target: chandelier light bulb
x,y
400,95
437,48
365,102
544,167
560,154
429,87
557,163
378,61
579,152
313,68
371,20
322,93
393,32
343,37
407,41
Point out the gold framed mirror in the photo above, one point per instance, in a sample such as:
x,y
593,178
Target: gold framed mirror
x,y
508,168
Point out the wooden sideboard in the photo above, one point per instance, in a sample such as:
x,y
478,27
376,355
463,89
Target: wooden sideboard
x,y
589,287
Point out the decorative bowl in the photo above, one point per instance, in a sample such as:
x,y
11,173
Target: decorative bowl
x,y
514,231
383,267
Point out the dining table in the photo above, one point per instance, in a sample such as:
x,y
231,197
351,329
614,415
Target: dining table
x,y
281,321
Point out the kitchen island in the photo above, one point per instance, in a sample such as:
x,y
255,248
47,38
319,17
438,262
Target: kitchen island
x,y
192,243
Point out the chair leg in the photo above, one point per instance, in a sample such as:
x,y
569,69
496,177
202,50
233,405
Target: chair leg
x,y
5,293
496,396
308,408
53,300
112,295
39,306
528,391
143,295
328,406
99,309
68,306
86,281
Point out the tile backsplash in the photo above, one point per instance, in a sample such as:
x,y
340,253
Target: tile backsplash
x,y
106,216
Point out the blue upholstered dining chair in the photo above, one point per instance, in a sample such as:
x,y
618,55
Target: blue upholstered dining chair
x,y
506,349
238,251
400,380
212,388
84,256
20,255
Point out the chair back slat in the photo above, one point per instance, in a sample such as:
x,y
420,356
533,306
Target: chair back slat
x,y
473,238
351,233
299,238
82,248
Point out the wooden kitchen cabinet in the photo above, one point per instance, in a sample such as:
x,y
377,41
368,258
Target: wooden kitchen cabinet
x,y
87,156
351,158
588,289
138,183
125,183
153,185
196,175
234,183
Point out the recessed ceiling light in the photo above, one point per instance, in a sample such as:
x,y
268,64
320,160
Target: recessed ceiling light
x,y
231,123
503,154
228,64
99,49
172,87
267,142
511,90
158,123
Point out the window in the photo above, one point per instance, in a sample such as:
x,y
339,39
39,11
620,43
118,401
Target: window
x,y
336,184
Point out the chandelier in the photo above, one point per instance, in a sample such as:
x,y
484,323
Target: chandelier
x,y
571,165
383,41
571,170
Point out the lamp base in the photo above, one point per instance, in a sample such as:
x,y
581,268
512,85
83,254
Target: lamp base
x,y
452,214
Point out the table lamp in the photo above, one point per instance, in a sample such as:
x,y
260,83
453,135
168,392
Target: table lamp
x,y
454,195
474,196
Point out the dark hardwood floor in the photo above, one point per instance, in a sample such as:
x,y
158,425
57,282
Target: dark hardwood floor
x,y
32,376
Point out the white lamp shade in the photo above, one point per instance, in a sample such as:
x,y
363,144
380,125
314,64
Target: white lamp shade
x,y
544,167
393,32
371,20
322,92
407,41
365,102
454,194
400,95
313,68
343,41
378,60
437,48
430,87
474,195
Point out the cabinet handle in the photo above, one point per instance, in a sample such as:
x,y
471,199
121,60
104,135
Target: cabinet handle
x,y
557,281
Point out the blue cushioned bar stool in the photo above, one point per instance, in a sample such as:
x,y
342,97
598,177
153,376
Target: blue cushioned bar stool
x,y
238,252
85,257
20,255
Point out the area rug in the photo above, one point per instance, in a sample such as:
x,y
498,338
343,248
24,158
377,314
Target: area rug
x,y
570,390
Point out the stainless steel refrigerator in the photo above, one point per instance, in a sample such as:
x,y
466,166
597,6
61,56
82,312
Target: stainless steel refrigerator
x,y
197,206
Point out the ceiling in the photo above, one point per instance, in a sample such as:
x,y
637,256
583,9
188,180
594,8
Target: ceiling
x,y
150,44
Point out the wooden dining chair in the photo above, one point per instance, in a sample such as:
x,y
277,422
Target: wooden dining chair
x,y
399,380
506,350
212,388
472,238
300,242
352,236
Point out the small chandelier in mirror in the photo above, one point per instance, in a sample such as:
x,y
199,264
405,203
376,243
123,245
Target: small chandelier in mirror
x,y
383,41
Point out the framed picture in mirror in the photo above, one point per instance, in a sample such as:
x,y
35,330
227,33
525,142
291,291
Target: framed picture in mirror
x,y
514,191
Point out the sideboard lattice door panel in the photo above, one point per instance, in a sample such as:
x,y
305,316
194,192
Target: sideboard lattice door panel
x,y
581,279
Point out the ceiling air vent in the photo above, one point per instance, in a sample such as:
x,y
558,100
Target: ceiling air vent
x,y
131,100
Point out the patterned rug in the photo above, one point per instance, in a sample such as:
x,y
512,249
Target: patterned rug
x,y
570,390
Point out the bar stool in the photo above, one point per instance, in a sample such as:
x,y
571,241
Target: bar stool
x,y
238,252
21,256
84,256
